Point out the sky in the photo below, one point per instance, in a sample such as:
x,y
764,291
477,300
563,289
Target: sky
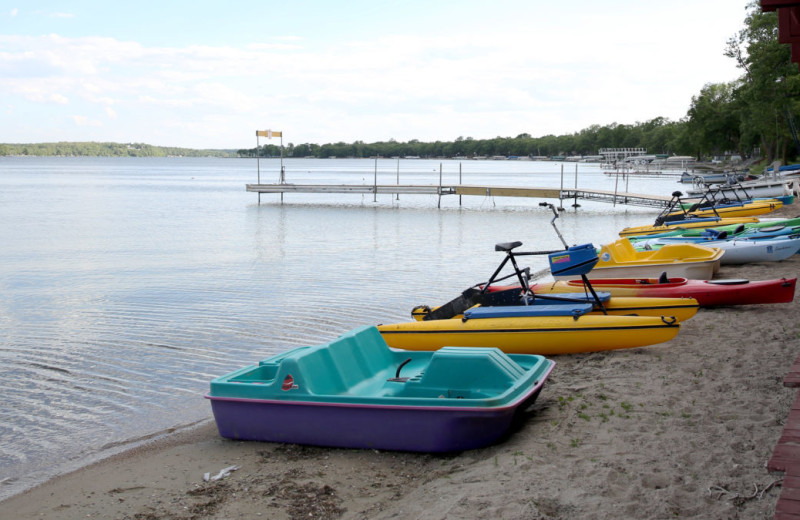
x,y
203,74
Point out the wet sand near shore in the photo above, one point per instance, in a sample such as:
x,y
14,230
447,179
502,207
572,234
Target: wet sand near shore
x,y
678,430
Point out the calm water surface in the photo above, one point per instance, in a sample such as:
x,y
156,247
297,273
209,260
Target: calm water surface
x,y
127,284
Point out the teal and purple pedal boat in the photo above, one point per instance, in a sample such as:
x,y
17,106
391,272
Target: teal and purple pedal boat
x,y
356,392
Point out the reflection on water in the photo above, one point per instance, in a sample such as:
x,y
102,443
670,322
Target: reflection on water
x,y
127,284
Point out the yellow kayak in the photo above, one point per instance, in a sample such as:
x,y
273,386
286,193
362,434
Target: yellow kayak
x,y
684,224
745,209
543,335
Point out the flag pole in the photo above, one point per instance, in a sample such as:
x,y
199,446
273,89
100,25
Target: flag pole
x,y
283,175
269,134
258,165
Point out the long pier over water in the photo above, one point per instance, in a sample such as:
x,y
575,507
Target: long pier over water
x,y
613,197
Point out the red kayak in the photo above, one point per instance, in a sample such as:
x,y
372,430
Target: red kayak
x,y
708,293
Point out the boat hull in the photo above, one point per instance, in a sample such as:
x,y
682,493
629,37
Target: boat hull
x,y
769,232
763,250
754,226
757,188
426,429
544,335
709,178
356,392
681,308
742,251
702,223
696,271
621,260
748,209
712,293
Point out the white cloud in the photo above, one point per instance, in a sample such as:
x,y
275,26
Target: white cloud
x,y
14,12
53,14
37,92
85,121
545,78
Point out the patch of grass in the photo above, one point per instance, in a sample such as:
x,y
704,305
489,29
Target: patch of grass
x,y
564,401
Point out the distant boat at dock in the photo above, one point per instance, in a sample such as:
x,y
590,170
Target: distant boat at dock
x,y
641,172
712,178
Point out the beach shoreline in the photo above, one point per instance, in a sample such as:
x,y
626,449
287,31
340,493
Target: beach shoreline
x,y
681,429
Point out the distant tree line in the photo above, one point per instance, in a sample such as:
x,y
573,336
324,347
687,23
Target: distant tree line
x,y
91,149
658,136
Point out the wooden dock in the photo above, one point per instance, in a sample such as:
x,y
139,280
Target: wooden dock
x,y
611,197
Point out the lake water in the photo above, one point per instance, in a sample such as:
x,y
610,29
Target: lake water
x,y
127,284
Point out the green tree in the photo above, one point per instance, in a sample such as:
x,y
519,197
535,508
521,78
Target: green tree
x,y
714,119
767,90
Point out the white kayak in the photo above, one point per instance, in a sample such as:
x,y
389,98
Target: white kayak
x,y
739,250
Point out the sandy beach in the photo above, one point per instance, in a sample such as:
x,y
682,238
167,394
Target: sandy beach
x,y
678,430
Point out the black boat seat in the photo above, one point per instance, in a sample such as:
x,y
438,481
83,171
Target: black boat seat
x,y
507,246
511,296
603,296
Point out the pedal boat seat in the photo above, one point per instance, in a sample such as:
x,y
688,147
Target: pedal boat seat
x,y
525,311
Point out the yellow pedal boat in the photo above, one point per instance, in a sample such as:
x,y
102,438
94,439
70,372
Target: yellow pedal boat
x,y
620,260
538,334
518,322
563,323
681,309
